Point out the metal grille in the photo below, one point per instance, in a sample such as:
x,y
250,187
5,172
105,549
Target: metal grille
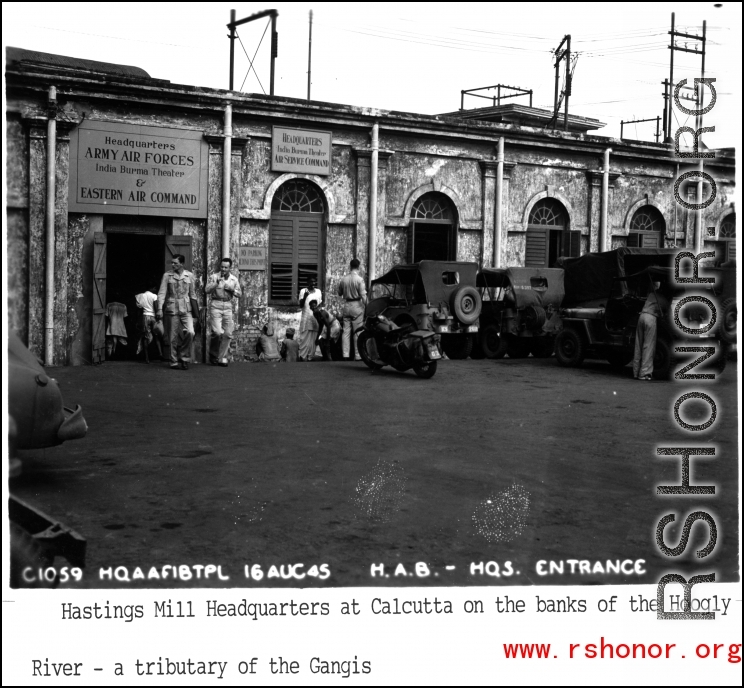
x,y
297,195
548,212
647,219
728,227
432,206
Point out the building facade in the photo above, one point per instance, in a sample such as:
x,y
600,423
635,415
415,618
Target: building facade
x,y
142,169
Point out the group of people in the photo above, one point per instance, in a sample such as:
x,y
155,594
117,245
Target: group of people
x,y
318,325
176,298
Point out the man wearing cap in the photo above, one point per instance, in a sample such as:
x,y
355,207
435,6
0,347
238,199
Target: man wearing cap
x,y
355,297
223,286
177,297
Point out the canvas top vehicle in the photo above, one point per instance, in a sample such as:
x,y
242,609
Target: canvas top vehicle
x,y
520,311
433,295
608,331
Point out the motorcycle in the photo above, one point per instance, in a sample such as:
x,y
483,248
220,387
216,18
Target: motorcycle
x,y
382,343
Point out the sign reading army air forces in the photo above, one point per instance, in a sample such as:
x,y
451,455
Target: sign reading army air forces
x,y
300,150
137,170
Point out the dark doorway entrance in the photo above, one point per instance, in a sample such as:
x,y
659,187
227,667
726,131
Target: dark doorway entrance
x,y
134,263
431,241
432,234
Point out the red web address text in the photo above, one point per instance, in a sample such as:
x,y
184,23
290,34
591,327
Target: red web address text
x,y
731,652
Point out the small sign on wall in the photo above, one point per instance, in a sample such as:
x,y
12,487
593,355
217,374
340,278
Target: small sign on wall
x,y
300,150
252,258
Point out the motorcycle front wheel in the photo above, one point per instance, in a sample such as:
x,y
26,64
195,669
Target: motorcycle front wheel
x,y
364,341
425,370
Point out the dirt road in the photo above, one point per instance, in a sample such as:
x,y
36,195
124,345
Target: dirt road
x,y
516,461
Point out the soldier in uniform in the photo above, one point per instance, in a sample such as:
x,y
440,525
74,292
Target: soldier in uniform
x,y
223,286
177,297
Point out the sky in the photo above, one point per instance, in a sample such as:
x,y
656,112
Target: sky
x,y
413,57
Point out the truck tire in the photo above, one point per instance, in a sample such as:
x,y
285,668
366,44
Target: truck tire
x,y
492,343
457,346
663,359
729,318
425,370
570,348
363,341
466,304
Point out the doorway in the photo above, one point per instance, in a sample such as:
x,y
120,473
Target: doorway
x,y
134,263
432,234
431,241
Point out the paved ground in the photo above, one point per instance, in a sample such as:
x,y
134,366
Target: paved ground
x,y
512,460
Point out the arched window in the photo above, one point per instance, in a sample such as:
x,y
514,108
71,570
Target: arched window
x,y
432,234
647,228
548,234
297,195
432,206
296,242
548,212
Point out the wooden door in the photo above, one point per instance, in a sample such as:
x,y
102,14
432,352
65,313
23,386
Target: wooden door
x,y
98,354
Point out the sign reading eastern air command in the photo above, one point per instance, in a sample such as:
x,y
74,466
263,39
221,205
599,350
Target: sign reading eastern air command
x,y
300,150
137,170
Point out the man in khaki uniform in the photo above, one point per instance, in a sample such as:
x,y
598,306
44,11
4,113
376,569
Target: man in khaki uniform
x,y
355,296
656,307
223,286
176,294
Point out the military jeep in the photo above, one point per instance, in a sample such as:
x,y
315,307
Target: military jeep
x,y
520,311
605,327
439,296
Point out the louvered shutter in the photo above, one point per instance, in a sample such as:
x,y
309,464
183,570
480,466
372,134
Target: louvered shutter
x,y
308,249
634,240
574,244
282,259
536,250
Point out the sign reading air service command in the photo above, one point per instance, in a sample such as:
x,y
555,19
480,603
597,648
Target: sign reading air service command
x,y
137,170
300,150
252,258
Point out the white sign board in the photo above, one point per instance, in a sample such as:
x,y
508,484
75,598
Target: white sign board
x,y
300,150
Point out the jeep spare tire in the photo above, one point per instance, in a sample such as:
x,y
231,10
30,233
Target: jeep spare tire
x,y
466,304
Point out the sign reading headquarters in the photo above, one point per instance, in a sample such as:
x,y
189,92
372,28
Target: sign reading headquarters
x,y
300,150
137,170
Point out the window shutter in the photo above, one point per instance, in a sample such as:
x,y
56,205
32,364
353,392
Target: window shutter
x,y
634,240
282,258
536,250
574,244
650,240
308,250
731,250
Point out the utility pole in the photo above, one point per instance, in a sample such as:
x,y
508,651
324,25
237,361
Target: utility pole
x,y
233,25
672,47
310,55
566,54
